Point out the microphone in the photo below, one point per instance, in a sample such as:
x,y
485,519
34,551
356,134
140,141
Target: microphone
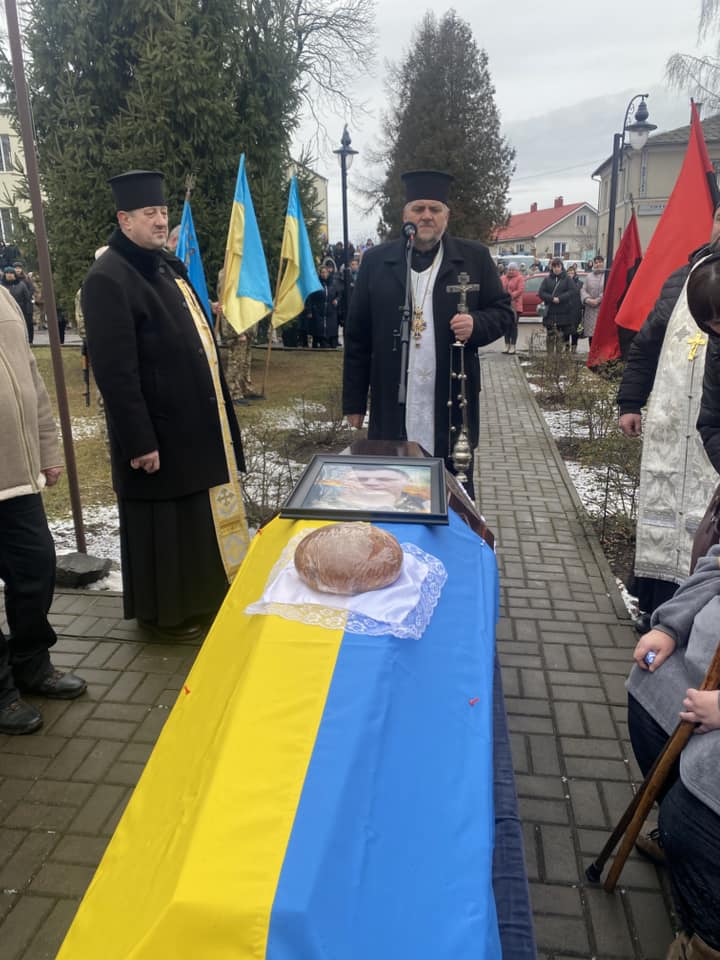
x,y
408,231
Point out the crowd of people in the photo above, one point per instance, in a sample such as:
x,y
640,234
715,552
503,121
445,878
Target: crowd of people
x,y
569,305
176,452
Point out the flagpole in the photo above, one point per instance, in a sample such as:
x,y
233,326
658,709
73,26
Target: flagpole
x,y
270,333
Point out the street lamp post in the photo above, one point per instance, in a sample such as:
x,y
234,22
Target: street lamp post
x,y
345,155
638,134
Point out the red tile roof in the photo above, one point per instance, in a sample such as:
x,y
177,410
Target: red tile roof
x,y
525,225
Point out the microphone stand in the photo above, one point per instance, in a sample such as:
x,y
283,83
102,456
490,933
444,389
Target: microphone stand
x,y
405,324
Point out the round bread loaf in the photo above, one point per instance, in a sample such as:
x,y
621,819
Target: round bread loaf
x,y
348,558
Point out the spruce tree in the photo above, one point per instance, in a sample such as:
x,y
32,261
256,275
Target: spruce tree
x,y
182,86
445,118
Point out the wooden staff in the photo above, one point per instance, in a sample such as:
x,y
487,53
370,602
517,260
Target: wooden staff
x,y
631,822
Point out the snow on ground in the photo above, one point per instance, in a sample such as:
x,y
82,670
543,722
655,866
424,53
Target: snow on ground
x,y
591,484
566,423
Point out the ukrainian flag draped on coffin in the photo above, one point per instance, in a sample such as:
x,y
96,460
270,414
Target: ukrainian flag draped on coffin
x,y
298,276
246,296
316,793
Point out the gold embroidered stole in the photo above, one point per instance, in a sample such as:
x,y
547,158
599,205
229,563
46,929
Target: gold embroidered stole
x,y
226,500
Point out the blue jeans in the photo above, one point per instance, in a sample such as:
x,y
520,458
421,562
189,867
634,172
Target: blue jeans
x,y
689,834
27,565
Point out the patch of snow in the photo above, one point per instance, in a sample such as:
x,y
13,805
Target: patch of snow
x,y
101,532
566,423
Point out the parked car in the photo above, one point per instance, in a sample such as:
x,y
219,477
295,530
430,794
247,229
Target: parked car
x,y
530,294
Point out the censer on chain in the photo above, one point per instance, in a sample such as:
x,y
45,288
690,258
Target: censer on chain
x,y
461,451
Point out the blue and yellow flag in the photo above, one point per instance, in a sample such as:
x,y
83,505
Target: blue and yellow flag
x,y
299,277
246,296
316,792
188,250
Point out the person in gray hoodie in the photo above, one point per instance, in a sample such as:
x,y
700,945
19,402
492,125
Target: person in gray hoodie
x,y
663,687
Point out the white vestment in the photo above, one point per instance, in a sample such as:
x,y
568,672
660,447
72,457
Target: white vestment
x,y
676,478
420,405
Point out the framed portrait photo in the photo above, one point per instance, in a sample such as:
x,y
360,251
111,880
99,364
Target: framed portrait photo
x,y
390,489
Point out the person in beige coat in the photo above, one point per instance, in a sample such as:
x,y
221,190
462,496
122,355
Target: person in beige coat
x,y
29,460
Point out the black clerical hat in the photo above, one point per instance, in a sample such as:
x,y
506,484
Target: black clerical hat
x,y
138,188
427,185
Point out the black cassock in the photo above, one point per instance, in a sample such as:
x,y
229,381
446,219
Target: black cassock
x,y
372,347
152,370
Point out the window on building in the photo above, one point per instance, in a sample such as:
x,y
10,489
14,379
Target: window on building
x,y
5,153
7,223
520,248
581,220
559,248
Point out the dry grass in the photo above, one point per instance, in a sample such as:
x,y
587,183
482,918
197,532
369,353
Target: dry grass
x,y
296,379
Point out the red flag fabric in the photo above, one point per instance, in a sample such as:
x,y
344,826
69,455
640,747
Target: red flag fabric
x,y
605,344
684,225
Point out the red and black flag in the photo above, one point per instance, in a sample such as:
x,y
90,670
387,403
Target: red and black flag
x,y
684,226
605,342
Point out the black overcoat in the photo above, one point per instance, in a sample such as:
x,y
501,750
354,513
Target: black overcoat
x,y
372,342
152,371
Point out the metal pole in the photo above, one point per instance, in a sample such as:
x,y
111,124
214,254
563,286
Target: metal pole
x,y
346,263
23,105
617,150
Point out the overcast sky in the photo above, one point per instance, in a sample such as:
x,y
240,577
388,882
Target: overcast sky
x,y
562,80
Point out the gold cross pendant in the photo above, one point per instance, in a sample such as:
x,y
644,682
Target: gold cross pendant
x,y
418,325
697,341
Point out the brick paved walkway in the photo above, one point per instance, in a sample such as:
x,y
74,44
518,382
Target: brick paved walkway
x,y
564,643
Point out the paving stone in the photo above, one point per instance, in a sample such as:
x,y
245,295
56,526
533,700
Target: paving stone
x,y
19,869
556,899
539,810
73,848
40,816
98,809
46,943
652,923
62,879
561,932
544,755
598,720
57,793
69,759
568,718
587,803
21,923
558,854
612,935
590,746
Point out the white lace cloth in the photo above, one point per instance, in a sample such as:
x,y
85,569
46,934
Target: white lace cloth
x,y
403,609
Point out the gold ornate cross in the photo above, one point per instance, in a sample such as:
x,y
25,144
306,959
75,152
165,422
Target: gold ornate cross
x,y
463,287
697,341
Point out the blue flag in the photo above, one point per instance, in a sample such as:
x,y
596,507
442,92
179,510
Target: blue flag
x,y
189,252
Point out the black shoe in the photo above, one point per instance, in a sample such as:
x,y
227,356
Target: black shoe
x,y
58,686
19,717
189,630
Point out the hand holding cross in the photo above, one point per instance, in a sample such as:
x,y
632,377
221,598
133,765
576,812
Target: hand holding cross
x,y
462,323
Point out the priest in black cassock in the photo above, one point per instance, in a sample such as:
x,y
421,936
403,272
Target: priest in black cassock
x,y
174,440
372,348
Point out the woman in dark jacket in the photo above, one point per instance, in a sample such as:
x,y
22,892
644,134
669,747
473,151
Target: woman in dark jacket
x,y
576,330
321,309
22,296
557,293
